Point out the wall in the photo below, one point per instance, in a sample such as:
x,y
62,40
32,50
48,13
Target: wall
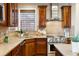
x,y
51,26
54,27
74,16
3,29
59,6
75,20
35,6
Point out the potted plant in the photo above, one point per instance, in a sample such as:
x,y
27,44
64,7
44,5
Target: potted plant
x,y
5,38
20,32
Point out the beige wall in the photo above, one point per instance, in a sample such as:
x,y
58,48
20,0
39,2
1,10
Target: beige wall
x,y
3,29
35,6
75,20
54,27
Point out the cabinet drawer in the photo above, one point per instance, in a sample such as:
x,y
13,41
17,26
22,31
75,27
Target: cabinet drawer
x,y
29,40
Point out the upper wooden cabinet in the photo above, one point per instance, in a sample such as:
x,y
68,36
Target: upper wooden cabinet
x,y
12,14
42,16
66,16
3,14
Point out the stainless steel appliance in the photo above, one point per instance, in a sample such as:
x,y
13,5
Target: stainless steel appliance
x,y
54,40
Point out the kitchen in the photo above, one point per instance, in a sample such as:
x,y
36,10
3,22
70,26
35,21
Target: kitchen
x,y
43,29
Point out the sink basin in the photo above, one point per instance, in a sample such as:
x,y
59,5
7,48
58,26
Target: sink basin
x,y
13,34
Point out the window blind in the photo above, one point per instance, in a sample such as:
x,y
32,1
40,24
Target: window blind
x,y
27,20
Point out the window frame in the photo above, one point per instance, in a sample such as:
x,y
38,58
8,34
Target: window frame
x,y
19,27
56,4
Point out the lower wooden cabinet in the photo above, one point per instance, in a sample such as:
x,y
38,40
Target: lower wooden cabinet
x,y
41,47
36,47
55,51
15,52
30,47
22,49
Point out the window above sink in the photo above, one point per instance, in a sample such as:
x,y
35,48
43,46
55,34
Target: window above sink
x,y
55,12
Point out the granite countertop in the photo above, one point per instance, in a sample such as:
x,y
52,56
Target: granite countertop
x,y
64,49
5,48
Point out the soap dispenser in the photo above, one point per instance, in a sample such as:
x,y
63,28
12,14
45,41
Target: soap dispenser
x,y
5,38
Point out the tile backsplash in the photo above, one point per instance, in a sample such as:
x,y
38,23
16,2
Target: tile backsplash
x,y
3,29
10,29
54,27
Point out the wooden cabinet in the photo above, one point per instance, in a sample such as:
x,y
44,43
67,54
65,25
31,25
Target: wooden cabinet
x,y
54,51
15,52
42,16
66,16
30,47
22,49
36,47
57,53
3,14
41,46
12,14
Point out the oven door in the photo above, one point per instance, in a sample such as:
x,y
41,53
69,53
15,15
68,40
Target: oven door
x,y
51,50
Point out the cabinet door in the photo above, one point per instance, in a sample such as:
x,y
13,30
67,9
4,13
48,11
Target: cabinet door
x,y
69,17
41,46
16,15
22,50
42,16
3,14
12,14
66,16
30,47
16,51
